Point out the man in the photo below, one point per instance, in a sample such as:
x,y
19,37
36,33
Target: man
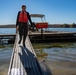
x,y
22,23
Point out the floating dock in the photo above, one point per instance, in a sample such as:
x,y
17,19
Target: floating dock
x,y
53,37
45,37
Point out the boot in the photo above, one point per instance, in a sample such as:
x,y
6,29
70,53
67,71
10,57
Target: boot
x,y
23,44
19,42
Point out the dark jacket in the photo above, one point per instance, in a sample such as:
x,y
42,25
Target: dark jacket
x,y
29,18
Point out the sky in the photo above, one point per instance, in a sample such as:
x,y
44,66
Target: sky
x,y
55,11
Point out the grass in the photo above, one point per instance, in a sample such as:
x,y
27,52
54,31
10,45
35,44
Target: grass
x,y
53,45
2,46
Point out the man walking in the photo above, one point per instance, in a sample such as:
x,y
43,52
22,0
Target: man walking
x,y
22,24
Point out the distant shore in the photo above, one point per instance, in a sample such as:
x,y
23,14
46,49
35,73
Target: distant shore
x,y
49,26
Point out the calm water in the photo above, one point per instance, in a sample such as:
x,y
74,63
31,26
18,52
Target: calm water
x,y
5,54
13,30
7,30
57,51
60,57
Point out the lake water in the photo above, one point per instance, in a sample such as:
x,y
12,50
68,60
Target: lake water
x,y
5,55
13,30
60,57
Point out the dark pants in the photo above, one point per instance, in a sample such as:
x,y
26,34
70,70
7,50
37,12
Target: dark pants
x,y
23,31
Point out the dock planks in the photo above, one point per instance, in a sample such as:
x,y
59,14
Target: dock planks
x,y
44,33
24,60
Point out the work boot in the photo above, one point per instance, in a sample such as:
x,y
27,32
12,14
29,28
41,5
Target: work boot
x,y
19,42
23,44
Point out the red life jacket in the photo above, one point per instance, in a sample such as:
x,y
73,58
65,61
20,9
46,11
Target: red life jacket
x,y
23,17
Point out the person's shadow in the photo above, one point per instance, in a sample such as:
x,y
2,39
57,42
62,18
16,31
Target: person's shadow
x,y
30,63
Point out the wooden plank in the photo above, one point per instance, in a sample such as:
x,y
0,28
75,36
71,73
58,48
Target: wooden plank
x,y
24,60
7,34
12,57
32,57
21,66
53,34
38,33
32,71
14,69
27,63
21,62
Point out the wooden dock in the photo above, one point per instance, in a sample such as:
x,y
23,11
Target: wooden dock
x,y
53,37
24,60
46,37
44,33
51,33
